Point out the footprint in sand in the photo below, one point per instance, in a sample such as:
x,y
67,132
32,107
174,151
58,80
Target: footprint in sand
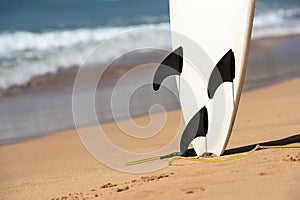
x,y
192,190
290,158
120,187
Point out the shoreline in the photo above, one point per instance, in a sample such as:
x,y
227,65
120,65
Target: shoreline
x,y
38,168
259,44
44,105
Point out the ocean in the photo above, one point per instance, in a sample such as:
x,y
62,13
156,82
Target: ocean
x,y
39,37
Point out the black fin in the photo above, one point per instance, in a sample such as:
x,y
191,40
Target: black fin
x,y
197,126
189,153
224,71
171,65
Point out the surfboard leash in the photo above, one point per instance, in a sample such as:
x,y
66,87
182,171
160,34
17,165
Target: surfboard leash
x,y
178,155
223,159
168,156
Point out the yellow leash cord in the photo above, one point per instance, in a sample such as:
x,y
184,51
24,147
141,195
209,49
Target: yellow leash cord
x,y
222,159
176,156
171,155
135,162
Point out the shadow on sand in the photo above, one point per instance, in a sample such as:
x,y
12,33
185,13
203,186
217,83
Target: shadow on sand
x,y
285,141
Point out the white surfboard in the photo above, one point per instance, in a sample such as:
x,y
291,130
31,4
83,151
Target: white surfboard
x,y
222,28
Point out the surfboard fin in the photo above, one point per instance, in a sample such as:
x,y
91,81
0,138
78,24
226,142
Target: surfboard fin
x,y
224,71
197,126
171,65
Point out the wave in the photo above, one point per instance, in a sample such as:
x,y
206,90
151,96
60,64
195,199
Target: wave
x,y
277,22
26,54
277,17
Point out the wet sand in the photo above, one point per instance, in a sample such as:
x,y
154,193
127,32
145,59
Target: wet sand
x,y
57,166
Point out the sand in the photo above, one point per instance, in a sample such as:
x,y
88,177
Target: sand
x,y
57,166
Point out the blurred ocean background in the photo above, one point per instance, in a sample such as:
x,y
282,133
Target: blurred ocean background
x,y
39,37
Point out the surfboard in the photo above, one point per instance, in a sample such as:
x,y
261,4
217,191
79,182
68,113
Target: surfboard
x,y
211,65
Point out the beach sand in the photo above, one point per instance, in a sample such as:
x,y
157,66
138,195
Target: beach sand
x,y
57,166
